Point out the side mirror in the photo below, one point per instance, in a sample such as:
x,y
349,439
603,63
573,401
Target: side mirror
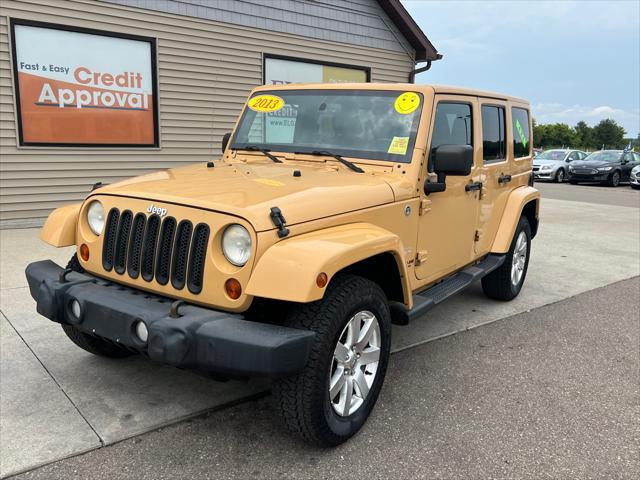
x,y
456,160
225,141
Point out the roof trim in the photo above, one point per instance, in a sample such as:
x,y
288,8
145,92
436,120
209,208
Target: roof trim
x,y
425,51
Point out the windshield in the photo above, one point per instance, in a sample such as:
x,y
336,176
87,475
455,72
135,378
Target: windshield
x,y
378,125
552,155
606,156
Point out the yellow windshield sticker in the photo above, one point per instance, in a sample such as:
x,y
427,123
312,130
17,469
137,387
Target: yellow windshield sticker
x,y
266,103
407,103
268,181
399,145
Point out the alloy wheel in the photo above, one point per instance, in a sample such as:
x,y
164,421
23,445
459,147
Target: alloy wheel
x,y
355,363
519,259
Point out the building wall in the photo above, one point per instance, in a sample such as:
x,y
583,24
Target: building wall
x,y
205,70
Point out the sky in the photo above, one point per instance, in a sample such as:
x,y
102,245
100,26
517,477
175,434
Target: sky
x,y
573,60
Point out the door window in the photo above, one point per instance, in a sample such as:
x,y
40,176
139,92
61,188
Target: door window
x,y
494,148
574,156
453,125
521,132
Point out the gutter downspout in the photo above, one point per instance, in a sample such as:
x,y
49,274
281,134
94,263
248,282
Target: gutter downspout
x,y
412,75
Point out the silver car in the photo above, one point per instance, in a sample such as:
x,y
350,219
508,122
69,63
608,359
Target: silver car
x,y
553,164
634,177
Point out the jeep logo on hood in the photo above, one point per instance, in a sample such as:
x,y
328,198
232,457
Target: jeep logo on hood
x,y
157,210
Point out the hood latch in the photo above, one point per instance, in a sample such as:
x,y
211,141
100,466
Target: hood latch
x,y
279,221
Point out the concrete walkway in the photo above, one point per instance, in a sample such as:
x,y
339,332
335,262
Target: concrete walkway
x,y
56,400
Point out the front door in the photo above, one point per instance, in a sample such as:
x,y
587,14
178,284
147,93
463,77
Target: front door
x,y
448,219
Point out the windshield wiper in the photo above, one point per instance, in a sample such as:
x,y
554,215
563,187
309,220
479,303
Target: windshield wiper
x,y
265,151
344,161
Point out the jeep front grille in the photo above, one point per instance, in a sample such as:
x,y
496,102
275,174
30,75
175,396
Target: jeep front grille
x,y
155,248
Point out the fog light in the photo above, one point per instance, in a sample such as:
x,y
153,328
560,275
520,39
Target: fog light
x,y
75,309
141,331
233,288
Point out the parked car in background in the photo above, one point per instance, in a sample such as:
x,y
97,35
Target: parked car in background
x,y
634,178
609,167
554,164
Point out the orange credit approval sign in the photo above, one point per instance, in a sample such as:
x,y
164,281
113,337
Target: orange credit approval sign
x,y
70,95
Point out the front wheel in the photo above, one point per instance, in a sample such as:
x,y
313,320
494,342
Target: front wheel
x,y
614,179
331,399
505,282
559,176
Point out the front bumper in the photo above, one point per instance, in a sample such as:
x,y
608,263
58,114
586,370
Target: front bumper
x,y
634,180
197,337
589,177
544,175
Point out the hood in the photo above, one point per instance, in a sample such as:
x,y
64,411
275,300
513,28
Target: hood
x,y
592,163
541,162
249,190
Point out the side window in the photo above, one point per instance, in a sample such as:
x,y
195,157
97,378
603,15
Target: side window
x,y
636,157
574,156
494,148
453,125
522,134
582,155
627,157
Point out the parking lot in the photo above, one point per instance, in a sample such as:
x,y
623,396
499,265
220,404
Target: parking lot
x,y
549,387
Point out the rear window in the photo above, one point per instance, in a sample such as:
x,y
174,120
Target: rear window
x,y
493,134
521,132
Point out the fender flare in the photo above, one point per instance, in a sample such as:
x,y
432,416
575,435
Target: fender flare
x,y
59,229
288,269
514,208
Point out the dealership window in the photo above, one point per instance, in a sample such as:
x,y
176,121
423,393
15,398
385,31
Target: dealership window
x,y
285,70
521,132
494,148
77,87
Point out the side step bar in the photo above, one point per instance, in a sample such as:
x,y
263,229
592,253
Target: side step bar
x,y
429,298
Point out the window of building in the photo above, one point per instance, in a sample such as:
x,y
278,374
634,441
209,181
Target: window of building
x,y
521,133
494,147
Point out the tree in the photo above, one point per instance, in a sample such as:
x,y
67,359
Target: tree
x,y
609,134
584,135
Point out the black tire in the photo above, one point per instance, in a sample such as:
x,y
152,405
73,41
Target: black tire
x,y
90,343
635,187
498,284
559,178
614,179
74,264
573,182
303,399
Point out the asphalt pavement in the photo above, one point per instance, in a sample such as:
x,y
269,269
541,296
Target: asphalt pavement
x,y
622,196
549,393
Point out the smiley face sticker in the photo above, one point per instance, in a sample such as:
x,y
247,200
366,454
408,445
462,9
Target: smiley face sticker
x,y
407,103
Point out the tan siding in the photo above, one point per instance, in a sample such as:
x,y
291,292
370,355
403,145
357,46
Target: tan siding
x,y
205,70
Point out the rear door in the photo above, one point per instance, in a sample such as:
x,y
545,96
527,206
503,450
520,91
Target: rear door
x,y
506,157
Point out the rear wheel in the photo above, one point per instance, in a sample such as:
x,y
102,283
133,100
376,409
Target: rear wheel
x,y
559,178
614,179
90,343
331,399
505,282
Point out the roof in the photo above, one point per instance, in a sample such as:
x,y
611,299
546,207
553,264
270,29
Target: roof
x,y
425,51
412,87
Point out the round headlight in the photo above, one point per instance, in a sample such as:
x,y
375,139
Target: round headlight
x,y
95,217
236,244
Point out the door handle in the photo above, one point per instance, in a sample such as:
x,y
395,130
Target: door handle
x,y
504,178
470,187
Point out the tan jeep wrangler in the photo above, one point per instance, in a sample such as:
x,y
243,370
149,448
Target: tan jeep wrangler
x,y
335,211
